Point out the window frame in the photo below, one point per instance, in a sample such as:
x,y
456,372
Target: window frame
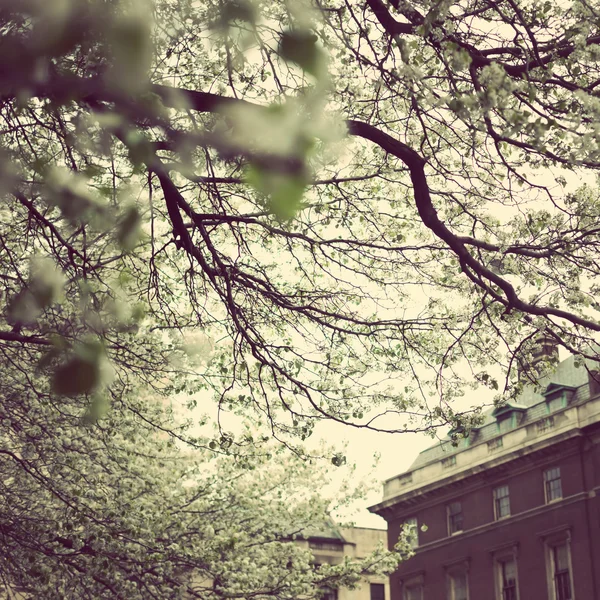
x,y
552,541
451,576
506,423
412,582
455,569
498,502
495,444
552,402
450,518
556,572
407,589
412,522
548,482
376,583
501,558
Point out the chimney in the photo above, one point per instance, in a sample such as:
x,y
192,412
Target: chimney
x,y
536,353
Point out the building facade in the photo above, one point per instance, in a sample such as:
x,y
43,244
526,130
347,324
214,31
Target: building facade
x,y
512,512
333,544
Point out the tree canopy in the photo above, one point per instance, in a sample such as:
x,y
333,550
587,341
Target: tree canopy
x,y
114,512
308,210
357,208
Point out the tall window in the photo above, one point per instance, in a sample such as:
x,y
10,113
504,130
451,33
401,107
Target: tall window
x,y
412,588
552,484
413,592
459,587
508,579
411,531
377,591
455,517
561,572
501,502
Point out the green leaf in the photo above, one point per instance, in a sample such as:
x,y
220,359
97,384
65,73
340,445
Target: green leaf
x,y
283,191
128,230
23,308
97,408
300,47
286,199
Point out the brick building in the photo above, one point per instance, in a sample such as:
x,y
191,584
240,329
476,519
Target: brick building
x,y
513,512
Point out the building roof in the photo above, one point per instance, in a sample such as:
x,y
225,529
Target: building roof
x,y
531,405
327,531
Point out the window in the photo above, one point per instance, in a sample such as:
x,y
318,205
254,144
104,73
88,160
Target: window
x,y
413,586
561,572
508,579
459,587
411,531
505,573
558,396
594,382
501,502
455,518
329,594
545,425
556,403
448,462
494,444
552,484
377,591
506,424
413,592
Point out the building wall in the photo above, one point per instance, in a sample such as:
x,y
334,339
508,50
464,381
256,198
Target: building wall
x,y
364,541
354,543
531,518
571,441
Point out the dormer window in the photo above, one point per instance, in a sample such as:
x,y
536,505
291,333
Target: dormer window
x,y
558,396
507,423
508,416
458,433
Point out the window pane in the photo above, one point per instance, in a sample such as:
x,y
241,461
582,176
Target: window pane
x,y
505,424
455,517
562,584
502,502
458,583
553,484
454,508
377,591
556,403
561,558
562,576
509,572
508,579
414,592
412,531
